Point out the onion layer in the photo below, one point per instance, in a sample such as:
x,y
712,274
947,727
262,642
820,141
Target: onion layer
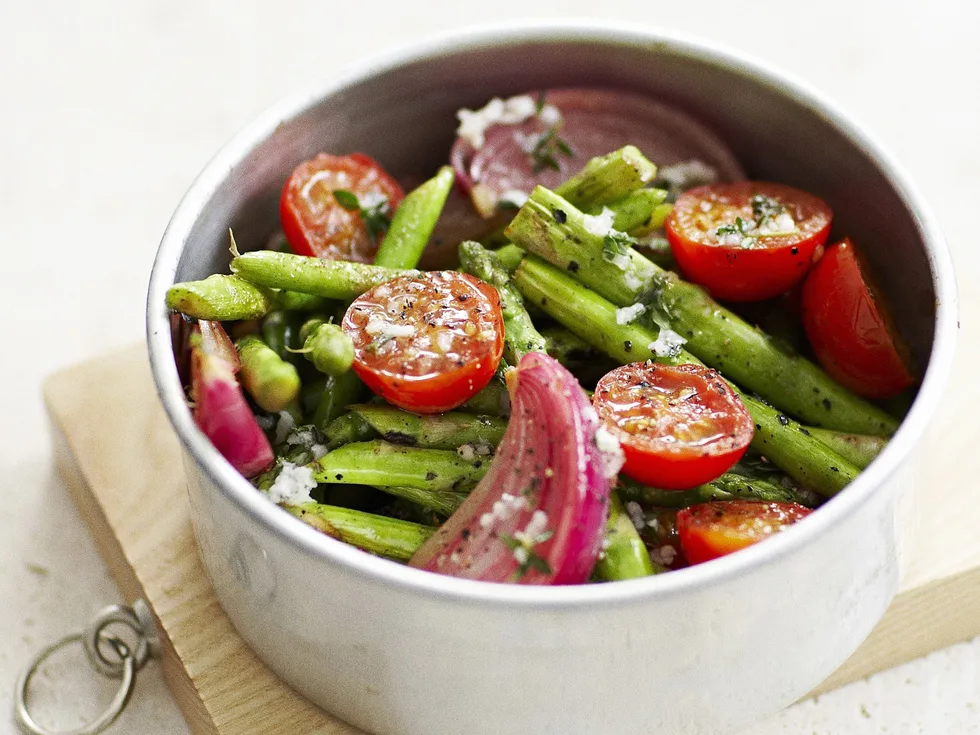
x,y
538,515
220,409
592,122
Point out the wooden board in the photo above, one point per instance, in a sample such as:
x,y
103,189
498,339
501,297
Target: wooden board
x,y
120,460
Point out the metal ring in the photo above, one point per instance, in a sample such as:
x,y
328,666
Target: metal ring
x,y
95,634
23,717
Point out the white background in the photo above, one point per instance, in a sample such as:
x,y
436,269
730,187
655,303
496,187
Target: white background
x,y
109,109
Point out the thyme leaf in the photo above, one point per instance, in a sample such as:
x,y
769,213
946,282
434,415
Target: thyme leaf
x,y
616,245
375,210
547,149
527,558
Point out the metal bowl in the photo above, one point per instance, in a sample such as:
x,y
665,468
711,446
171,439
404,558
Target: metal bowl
x,y
397,651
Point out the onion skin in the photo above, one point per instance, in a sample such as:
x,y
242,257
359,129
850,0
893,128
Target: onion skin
x,y
547,461
220,409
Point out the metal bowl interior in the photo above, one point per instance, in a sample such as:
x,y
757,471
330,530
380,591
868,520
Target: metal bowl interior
x,y
400,109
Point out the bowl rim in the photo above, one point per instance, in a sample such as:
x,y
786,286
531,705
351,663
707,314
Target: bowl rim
x,y
312,543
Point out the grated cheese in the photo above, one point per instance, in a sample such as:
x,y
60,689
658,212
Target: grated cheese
x,y
628,314
667,344
285,425
686,175
781,224
535,527
502,509
444,340
632,281
599,224
378,325
293,485
664,556
610,451
635,512
473,124
620,261
730,238
550,115
515,197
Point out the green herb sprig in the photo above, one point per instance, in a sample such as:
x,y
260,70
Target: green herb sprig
x,y
376,213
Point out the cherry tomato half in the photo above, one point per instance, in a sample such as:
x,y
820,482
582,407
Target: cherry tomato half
x,y
679,425
746,241
710,530
427,343
314,221
849,328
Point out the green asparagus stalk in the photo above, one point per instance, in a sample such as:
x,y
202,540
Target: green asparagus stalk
x,y
585,313
295,301
727,487
383,464
338,393
510,256
783,440
608,178
271,381
219,298
332,279
450,430
634,211
858,449
520,334
657,219
280,332
310,394
493,400
443,502
657,251
414,221
381,535
552,228
347,429
624,554
566,346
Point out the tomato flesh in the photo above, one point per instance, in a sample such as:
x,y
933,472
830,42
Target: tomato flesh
x,y
710,530
746,241
849,328
679,425
314,221
427,343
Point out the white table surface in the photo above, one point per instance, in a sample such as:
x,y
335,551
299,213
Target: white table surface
x,y
110,108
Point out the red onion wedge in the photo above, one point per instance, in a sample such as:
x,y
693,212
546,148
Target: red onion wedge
x,y
501,160
220,409
216,342
539,514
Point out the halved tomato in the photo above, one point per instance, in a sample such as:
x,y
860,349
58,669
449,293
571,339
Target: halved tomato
x,y
849,327
746,241
316,224
427,343
679,425
710,530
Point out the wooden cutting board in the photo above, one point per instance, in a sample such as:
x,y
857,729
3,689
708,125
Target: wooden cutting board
x,y
121,462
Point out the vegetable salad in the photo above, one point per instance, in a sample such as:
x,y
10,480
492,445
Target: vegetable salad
x,y
588,391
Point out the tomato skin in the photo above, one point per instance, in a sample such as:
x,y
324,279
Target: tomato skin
x,y
849,330
679,425
312,220
733,273
710,530
414,371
